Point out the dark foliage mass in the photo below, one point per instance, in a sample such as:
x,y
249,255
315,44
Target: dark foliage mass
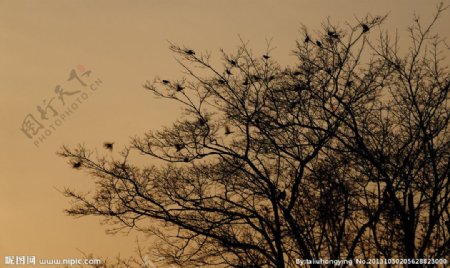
x,y
343,156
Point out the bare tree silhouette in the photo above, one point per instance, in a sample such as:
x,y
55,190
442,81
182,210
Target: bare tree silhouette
x,y
344,156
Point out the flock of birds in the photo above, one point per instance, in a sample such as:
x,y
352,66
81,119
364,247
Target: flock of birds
x,y
106,145
178,147
332,34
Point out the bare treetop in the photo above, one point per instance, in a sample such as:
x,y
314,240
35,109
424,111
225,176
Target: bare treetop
x,y
343,156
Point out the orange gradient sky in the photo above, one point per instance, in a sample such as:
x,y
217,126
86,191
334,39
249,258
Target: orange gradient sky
x,y
124,43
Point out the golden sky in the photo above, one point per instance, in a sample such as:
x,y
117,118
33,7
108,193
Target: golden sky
x,y
123,43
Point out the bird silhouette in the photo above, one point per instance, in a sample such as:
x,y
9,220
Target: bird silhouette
x,y
108,145
166,82
201,121
245,83
221,81
365,28
318,43
179,146
227,71
190,52
186,159
179,87
333,34
307,39
76,165
227,130
233,62
266,57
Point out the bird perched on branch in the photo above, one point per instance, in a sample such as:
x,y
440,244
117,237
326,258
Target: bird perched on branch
x,y
365,28
179,87
333,34
166,82
108,145
307,39
318,43
266,57
201,121
76,165
179,146
190,52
